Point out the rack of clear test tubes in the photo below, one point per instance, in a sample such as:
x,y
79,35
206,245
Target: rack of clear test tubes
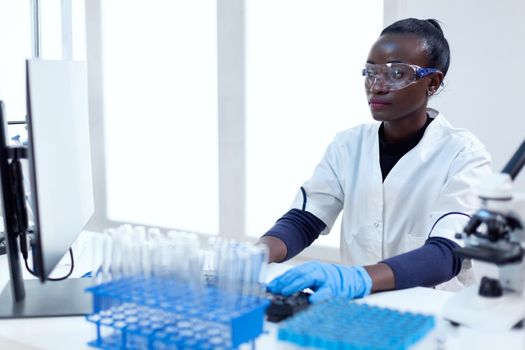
x,y
167,291
342,324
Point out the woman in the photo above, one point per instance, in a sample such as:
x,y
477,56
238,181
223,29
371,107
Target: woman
x,y
405,185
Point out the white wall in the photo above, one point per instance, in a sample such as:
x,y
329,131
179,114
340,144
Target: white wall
x,y
485,85
481,36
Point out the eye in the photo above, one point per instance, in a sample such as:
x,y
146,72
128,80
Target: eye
x,y
397,74
368,73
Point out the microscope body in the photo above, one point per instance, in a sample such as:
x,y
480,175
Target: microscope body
x,y
495,234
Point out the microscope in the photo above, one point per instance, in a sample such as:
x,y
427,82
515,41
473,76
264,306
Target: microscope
x,y
494,234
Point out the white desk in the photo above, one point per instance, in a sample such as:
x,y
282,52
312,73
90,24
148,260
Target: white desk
x,y
69,333
42,333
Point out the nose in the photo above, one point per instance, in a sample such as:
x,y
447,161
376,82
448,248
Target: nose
x,y
377,85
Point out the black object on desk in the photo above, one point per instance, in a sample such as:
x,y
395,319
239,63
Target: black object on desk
x,y
283,307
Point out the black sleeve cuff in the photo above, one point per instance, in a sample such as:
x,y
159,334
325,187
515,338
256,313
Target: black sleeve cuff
x,y
297,229
428,266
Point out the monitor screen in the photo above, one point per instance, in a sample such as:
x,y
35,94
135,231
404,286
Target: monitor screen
x,y
61,185
51,197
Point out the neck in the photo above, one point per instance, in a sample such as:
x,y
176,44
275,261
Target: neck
x,y
400,129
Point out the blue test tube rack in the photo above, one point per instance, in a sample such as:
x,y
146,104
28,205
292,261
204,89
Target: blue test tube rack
x,y
159,313
342,324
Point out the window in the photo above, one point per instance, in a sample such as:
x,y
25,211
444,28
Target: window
x,y
15,41
159,69
303,85
160,107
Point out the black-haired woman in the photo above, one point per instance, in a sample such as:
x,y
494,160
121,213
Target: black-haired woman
x,y
405,183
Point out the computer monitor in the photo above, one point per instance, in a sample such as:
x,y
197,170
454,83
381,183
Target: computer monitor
x,y
61,189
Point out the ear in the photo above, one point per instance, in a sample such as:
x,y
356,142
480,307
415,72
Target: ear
x,y
434,82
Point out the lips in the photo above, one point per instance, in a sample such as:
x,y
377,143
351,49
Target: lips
x,y
376,103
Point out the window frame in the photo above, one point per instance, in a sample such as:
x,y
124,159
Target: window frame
x,y
231,123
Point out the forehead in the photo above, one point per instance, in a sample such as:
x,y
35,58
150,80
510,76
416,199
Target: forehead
x,y
406,48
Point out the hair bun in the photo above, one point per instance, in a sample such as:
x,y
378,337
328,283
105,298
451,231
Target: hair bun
x,y
430,31
436,24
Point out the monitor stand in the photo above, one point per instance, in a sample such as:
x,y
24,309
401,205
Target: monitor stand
x,y
49,299
3,247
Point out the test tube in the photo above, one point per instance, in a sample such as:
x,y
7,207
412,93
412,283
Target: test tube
x,y
246,271
97,243
126,248
140,233
155,240
153,233
223,273
109,235
174,251
195,261
260,257
145,259
117,254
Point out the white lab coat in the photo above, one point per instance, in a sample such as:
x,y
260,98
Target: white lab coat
x,y
384,219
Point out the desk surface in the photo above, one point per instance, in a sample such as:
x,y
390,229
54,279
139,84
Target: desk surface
x,y
74,332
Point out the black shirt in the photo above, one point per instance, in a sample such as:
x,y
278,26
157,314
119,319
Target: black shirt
x,y
391,152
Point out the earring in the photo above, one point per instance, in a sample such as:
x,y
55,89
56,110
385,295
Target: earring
x,y
429,92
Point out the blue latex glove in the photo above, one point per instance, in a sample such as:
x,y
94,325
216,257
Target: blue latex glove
x,y
326,280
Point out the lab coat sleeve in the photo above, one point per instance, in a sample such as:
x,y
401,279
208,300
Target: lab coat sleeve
x,y
323,194
458,196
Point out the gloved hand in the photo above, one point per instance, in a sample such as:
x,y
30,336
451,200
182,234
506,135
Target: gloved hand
x,y
326,280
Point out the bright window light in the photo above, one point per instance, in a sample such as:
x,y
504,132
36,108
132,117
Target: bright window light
x,y
78,13
15,41
51,29
304,84
160,110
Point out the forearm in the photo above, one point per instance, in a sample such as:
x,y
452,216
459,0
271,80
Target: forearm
x,y
382,277
428,266
293,232
276,248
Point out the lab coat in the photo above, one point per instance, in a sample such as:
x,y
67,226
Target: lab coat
x,y
382,219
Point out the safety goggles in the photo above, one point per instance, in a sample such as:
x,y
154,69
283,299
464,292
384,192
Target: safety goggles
x,y
394,76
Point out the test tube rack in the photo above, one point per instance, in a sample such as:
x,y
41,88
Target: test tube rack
x,y
343,324
160,313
